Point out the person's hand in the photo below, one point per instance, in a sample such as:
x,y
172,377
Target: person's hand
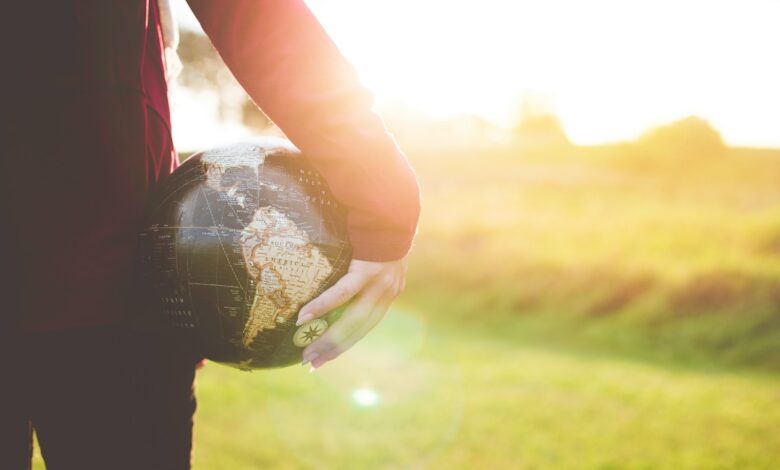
x,y
371,286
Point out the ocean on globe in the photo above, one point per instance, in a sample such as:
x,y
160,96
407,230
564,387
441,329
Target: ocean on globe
x,y
237,240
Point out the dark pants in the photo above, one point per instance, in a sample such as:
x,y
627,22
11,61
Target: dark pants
x,y
99,398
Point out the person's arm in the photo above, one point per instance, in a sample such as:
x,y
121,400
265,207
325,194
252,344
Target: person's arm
x,y
291,68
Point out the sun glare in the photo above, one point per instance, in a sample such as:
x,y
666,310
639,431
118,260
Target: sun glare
x,y
365,397
611,68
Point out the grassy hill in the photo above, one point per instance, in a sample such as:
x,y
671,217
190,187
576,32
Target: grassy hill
x,y
623,248
600,308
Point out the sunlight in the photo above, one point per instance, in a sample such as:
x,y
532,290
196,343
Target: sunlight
x,y
365,397
611,68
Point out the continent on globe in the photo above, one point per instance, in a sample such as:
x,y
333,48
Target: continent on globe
x,y
237,240
287,268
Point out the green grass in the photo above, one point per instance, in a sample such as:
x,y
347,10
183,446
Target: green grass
x,y
451,398
600,247
589,308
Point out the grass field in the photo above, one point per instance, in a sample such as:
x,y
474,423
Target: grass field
x,y
621,248
451,399
597,308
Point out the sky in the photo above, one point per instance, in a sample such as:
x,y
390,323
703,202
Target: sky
x,y
609,69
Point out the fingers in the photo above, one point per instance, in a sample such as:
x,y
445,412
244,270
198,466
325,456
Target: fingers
x,y
372,287
359,318
330,351
349,321
338,294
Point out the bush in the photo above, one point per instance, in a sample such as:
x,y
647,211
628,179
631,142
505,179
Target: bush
x,y
689,138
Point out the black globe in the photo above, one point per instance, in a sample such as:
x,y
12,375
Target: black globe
x,y
237,240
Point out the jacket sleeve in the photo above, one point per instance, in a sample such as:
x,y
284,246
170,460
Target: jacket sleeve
x,y
291,68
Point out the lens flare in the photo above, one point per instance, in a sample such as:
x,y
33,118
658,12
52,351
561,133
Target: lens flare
x,y
365,397
396,397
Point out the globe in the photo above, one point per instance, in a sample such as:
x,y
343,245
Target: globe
x,y
237,240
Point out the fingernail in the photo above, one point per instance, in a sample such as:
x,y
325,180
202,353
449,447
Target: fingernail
x,y
309,358
302,318
312,369
305,361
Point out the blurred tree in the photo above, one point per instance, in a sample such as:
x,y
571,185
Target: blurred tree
x,y
204,70
691,137
253,117
538,126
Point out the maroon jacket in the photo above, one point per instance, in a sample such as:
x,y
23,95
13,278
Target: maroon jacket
x,y
86,135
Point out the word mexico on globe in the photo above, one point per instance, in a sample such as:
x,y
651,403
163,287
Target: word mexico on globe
x,y
237,240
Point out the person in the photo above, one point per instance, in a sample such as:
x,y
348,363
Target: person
x,y
85,137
